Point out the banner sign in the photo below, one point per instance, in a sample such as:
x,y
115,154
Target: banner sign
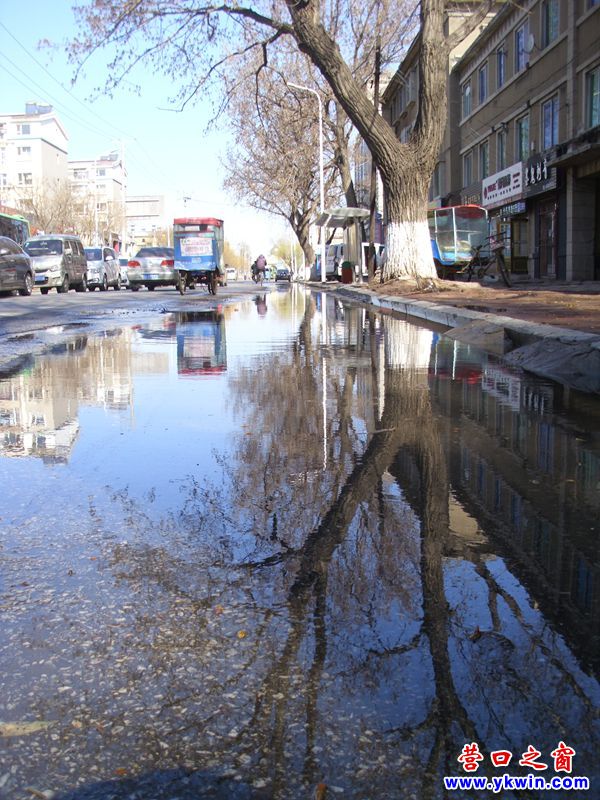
x,y
505,185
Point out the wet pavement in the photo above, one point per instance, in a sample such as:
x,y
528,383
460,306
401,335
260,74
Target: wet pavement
x,y
286,541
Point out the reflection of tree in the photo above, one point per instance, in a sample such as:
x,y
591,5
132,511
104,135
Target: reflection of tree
x,y
296,622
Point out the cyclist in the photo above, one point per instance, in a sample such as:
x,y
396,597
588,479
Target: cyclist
x,y
260,265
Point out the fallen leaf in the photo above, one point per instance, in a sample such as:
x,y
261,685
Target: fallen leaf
x,y
321,791
241,634
23,728
120,772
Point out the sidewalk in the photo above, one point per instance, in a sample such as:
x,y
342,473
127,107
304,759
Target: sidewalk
x,y
549,329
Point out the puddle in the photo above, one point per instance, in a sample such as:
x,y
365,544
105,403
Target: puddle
x,y
287,542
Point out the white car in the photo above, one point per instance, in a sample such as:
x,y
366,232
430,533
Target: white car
x,y
103,268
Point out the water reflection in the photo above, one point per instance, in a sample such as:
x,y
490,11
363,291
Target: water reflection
x,y
392,553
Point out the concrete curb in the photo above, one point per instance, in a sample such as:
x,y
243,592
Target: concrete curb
x,y
549,351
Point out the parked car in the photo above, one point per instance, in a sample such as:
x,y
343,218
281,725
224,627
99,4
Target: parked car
x,y
59,262
16,271
152,267
103,268
123,264
232,273
283,274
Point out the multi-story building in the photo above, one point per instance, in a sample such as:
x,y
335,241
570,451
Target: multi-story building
x,y
33,153
148,221
522,137
100,185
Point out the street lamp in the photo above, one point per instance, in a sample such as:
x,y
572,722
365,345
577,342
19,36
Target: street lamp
x,y
321,182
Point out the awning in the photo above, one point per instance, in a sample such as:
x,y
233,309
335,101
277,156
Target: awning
x,y
341,217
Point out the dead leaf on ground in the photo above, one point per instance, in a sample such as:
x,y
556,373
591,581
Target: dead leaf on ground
x,y
23,728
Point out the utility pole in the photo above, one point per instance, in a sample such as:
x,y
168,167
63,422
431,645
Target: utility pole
x,y
373,198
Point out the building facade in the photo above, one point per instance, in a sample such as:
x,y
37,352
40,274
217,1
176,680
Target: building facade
x,y
100,186
33,153
148,221
522,137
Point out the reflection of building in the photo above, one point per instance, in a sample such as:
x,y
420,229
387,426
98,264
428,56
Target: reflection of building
x,y
531,484
39,407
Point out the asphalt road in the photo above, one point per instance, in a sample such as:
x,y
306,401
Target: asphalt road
x,y
25,314
27,322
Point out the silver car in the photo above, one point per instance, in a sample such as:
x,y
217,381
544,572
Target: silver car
x,y
59,262
152,267
103,268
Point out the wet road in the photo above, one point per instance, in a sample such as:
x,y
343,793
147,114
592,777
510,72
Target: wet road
x,y
250,548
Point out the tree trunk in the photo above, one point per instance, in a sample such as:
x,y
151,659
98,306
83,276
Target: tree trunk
x,y
405,168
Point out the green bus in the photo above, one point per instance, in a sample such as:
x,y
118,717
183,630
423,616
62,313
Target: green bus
x,y
14,226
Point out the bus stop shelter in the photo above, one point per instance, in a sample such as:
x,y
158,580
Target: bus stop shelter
x,y
349,220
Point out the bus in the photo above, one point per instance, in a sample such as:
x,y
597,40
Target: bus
x,y
198,243
14,226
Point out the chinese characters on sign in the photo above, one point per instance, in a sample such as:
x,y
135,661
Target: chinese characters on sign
x,y
538,176
503,186
470,757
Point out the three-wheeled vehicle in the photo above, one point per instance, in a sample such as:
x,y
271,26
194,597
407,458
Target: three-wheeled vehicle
x,y
198,244
455,231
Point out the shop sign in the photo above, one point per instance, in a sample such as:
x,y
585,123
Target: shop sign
x,y
504,185
539,177
471,195
512,209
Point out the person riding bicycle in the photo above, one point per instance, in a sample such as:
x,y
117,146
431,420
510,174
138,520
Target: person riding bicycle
x,y
260,265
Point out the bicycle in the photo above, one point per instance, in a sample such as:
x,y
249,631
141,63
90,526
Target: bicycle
x,y
480,264
258,276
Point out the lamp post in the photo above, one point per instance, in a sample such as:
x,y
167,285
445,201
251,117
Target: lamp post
x,y
321,181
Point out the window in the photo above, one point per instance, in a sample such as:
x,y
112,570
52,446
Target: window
x,y
437,188
522,138
2,130
24,129
549,21
24,179
484,160
23,151
501,150
3,180
467,169
550,122
500,67
101,173
592,98
483,83
466,99
521,54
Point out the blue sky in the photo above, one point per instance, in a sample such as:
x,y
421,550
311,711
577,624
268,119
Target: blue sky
x,y
166,152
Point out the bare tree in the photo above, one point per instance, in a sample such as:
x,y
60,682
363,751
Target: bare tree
x,y
196,45
50,206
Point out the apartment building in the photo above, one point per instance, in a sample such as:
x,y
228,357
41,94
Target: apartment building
x,y
33,153
148,221
100,185
522,137
526,97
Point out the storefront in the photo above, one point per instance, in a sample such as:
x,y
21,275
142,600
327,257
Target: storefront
x,y
542,205
503,196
